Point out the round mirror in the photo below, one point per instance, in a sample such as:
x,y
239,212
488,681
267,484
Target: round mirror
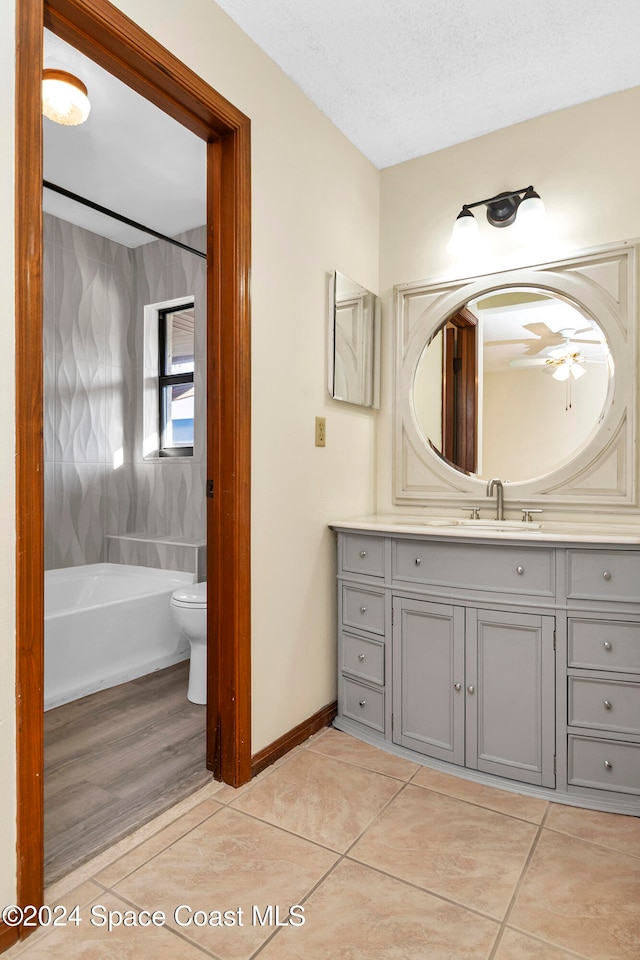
x,y
513,384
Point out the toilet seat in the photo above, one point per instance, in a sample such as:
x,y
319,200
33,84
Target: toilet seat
x,y
193,596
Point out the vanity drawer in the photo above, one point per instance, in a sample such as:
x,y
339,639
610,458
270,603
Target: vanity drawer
x,y
604,704
363,658
604,764
604,645
363,608
603,575
364,555
504,569
363,704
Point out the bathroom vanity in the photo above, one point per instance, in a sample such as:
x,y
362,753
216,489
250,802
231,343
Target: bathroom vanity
x,y
506,651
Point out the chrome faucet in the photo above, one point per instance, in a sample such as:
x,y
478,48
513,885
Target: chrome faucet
x,y
499,489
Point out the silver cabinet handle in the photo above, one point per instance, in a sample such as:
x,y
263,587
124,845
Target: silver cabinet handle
x,y
418,561
607,704
471,688
606,575
363,609
607,645
520,570
363,703
608,765
457,686
363,553
361,657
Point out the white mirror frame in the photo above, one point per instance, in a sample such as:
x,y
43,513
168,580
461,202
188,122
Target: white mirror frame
x,y
602,476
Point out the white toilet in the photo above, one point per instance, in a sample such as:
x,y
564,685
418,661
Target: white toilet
x,y
189,609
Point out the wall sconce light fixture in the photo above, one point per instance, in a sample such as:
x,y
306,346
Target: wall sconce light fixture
x,y
64,98
501,212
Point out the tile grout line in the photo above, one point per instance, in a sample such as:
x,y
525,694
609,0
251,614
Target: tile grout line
x,y
167,926
110,863
596,843
518,886
111,889
341,857
480,806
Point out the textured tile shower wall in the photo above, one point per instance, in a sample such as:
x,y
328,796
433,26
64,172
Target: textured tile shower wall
x,y
96,479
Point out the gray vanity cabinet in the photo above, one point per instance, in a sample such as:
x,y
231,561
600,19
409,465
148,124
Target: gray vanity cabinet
x,y
362,647
510,695
603,672
428,678
475,688
517,659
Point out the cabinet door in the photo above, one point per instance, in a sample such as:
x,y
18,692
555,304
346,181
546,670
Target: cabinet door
x,y
428,665
510,701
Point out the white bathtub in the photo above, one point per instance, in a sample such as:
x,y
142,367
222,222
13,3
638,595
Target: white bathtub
x,y
106,623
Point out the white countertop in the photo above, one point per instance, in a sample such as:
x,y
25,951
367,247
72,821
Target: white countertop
x,y
459,527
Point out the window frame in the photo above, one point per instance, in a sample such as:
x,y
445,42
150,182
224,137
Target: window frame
x,y
171,379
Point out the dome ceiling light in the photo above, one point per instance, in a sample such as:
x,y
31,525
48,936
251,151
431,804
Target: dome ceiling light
x,y
64,98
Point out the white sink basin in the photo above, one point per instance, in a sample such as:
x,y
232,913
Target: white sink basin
x,y
498,524
467,522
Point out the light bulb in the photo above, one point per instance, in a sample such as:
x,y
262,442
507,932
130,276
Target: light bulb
x,y
577,371
562,373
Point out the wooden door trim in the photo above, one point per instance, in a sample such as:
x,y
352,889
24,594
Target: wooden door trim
x,y
106,35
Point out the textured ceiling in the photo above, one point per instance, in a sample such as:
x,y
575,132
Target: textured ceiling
x,y
402,78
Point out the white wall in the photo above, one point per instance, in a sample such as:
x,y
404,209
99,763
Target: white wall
x,y
315,210
527,420
583,161
7,467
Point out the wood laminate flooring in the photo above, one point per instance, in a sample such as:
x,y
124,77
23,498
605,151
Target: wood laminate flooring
x,y
116,759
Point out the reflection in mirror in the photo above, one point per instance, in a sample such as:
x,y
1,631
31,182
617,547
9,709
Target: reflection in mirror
x,y
512,385
354,346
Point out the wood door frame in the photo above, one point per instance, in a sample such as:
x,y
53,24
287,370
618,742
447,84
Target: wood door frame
x,y
114,41
460,391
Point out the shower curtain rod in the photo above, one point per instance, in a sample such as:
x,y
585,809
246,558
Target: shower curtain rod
x,y
118,216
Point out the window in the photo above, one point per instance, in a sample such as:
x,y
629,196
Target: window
x,y
176,349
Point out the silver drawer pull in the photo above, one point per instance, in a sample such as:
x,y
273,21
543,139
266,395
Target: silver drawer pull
x,y
520,570
361,657
363,553
607,645
607,704
457,686
471,688
606,575
363,609
418,561
363,703
608,765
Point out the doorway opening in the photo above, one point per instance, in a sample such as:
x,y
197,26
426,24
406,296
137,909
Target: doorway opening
x,y
109,38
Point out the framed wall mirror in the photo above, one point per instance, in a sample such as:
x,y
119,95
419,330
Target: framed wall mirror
x,y
528,375
354,342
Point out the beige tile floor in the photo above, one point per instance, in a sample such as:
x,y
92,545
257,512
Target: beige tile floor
x,y
382,859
